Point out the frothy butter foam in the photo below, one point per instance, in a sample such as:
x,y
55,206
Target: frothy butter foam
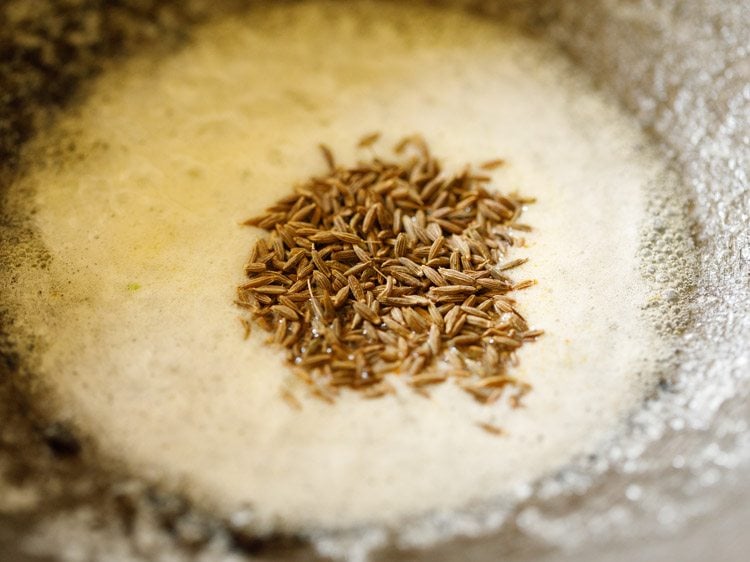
x,y
143,348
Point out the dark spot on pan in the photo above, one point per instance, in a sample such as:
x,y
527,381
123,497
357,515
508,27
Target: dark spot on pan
x,y
61,440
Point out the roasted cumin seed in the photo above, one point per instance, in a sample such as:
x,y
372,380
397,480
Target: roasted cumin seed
x,y
328,156
511,264
285,311
251,268
368,140
491,429
366,312
492,164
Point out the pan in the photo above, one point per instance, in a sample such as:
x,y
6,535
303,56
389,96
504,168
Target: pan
x,y
673,484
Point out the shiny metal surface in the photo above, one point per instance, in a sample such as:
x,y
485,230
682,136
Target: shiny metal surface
x,y
675,487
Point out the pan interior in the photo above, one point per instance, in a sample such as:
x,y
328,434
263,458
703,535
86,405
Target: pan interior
x,y
142,350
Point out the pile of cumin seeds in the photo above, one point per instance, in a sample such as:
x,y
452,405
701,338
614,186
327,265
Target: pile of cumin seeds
x,y
392,267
